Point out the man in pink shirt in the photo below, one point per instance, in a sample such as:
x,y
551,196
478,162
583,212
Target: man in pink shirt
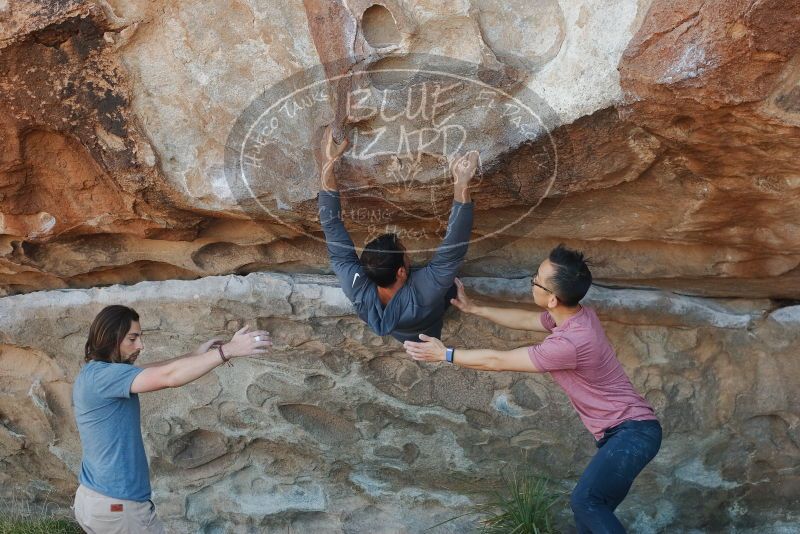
x,y
579,357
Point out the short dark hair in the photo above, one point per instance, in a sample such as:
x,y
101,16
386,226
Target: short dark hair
x,y
381,258
107,332
571,278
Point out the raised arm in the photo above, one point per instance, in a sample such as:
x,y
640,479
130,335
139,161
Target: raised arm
x,y
508,317
449,256
341,250
181,371
326,154
463,170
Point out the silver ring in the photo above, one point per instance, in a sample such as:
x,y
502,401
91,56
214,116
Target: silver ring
x,y
257,338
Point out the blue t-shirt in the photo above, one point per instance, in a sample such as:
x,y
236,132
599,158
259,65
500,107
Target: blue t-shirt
x,y
114,463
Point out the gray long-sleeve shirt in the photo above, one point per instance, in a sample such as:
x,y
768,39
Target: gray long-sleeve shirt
x,y
418,307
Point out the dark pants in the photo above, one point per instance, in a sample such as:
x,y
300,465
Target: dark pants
x,y
623,452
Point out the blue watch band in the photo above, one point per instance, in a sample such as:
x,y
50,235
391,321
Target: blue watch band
x,y
449,354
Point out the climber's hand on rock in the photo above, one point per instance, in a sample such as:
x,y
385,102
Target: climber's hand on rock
x,y
463,169
429,349
462,301
326,155
335,150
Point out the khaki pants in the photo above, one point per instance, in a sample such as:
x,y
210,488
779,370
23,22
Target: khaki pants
x,y
98,514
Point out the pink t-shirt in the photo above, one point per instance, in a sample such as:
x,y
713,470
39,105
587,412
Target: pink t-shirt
x,y
579,357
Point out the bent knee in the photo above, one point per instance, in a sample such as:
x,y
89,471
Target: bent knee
x,y
579,501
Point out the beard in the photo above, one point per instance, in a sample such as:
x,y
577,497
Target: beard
x,y
131,357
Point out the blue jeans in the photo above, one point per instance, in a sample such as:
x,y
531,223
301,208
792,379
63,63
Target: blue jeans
x,y
623,452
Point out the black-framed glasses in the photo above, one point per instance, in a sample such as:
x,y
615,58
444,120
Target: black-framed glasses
x,y
535,283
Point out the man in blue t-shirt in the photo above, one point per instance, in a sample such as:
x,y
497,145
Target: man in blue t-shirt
x,y
114,491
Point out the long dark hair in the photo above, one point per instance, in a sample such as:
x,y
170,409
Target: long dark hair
x,y
107,332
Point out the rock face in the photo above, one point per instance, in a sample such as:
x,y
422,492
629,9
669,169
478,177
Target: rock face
x,y
670,156
337,431
158,141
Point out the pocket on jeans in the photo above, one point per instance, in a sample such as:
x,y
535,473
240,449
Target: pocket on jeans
x,y
650,446
654,435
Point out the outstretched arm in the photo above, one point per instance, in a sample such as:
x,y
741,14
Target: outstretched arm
x,y
205,347
508,317
463,170
555,353
431,349
438,275
181,371
326,154
342,252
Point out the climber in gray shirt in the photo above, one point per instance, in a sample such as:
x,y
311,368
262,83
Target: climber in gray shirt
x,y
386,294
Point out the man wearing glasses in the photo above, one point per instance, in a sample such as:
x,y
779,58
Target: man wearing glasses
x,y
579,357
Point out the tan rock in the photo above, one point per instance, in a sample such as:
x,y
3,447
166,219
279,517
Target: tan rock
x,y
340,425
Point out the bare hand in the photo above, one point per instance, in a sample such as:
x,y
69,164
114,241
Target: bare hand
x,y
326,154
246,343
462,301
463,168
429,349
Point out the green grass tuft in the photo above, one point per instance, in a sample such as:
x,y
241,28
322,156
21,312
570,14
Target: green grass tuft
x,y
38,526
42,516
523,506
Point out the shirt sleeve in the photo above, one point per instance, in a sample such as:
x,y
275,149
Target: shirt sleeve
x,y
114,380
547,321
437,277
555,353
342,252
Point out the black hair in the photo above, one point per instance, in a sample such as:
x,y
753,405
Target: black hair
x,y
381,258
571,277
